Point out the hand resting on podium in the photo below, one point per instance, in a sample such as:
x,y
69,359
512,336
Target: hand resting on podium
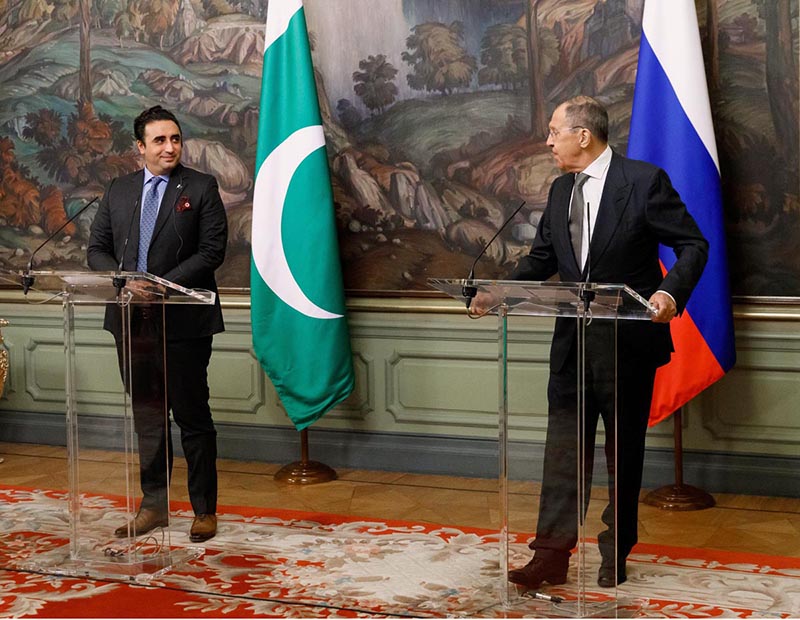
x,y
142,289
482,304
664,306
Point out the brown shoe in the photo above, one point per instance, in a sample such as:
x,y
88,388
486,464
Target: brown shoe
x,y
537,571
145,520
203,528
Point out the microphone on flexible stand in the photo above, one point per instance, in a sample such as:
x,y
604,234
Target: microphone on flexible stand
x,y
119,281
27,278
468,290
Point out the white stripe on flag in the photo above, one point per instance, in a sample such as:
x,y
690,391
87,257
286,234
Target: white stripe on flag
x,y
279,14
671,30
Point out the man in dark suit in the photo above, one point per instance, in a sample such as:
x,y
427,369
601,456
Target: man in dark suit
x,y
169,221
604,220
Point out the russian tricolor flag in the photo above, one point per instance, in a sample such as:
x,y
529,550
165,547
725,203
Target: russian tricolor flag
x,y
671,127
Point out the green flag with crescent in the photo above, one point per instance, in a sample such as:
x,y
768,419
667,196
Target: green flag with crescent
x,y
300,333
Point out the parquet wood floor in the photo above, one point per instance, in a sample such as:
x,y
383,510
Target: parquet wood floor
x,y
769,525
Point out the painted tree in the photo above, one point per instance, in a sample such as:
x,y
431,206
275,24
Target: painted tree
x,y
220,7
374,84
129,23
159,18
782,78
349,116
94,150
31,10
43,127
538,102
439,60
712,45
85,60
25,203
64,11
504,54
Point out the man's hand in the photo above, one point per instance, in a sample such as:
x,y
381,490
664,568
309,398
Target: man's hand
x,y
665,307
142,289
482,303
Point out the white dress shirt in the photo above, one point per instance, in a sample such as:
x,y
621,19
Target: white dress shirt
x,y
592,193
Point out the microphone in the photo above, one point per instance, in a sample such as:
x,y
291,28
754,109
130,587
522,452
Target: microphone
x,y
175,226
468,291
27,278
552,598
119,281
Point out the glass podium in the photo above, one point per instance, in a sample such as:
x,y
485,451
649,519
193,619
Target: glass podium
x,y
102,496
568,456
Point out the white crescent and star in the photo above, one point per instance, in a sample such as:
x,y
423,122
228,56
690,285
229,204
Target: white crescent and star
x,y
272,186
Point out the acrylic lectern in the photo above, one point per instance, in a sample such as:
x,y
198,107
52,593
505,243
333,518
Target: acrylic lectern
x,y
104,485
589,304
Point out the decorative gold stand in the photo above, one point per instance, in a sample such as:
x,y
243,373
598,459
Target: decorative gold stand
x,y
679,496
305,471
3,360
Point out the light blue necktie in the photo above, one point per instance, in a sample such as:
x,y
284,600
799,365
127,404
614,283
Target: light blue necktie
x,y
148,222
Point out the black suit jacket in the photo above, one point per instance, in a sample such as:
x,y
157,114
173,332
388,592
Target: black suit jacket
x,y
639,210
188,244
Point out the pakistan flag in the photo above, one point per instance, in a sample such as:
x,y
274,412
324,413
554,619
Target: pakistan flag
x,y
300,333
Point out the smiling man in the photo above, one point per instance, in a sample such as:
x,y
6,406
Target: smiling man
x,y
169,221
604,220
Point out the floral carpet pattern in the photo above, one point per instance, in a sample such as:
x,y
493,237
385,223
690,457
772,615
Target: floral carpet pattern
x,y
278,563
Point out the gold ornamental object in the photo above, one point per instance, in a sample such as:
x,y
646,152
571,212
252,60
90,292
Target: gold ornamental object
x,y
3,358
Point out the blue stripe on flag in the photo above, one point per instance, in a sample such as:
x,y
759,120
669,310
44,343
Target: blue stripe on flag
x,y
662,134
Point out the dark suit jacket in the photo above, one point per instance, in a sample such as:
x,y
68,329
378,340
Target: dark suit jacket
x,y
639,210
187,244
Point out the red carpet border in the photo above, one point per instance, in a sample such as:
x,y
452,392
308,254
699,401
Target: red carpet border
x,y
280,563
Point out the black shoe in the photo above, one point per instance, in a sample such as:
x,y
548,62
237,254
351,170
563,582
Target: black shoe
x,y
606,578
537,571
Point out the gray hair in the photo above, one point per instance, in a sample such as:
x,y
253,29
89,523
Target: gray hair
x,y
583,111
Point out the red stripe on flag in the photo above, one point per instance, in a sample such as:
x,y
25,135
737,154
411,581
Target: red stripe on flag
x,y
692,369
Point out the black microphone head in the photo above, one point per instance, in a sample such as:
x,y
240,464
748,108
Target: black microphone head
x,y
468,292
27,283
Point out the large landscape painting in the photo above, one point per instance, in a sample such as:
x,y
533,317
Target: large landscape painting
x,y
435,113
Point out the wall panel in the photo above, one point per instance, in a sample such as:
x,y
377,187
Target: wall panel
x,y
423,379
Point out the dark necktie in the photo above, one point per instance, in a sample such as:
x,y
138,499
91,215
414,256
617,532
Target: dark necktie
x,y
148,222
576,215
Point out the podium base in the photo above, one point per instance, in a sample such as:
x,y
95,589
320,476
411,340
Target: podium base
x,y
595,604
679,497
142,569
305,472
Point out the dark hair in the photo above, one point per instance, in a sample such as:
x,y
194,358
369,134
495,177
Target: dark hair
x,y
156,113
583,111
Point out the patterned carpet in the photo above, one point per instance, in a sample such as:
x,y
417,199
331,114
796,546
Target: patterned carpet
x,y
274,563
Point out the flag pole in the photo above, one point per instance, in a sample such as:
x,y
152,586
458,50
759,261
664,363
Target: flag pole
x,y
305,471
679,496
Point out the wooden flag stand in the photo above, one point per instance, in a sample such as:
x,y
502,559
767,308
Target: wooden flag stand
x,y
305,471
679,496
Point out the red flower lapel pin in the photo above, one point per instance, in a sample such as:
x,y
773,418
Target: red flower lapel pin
x,y
183,204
